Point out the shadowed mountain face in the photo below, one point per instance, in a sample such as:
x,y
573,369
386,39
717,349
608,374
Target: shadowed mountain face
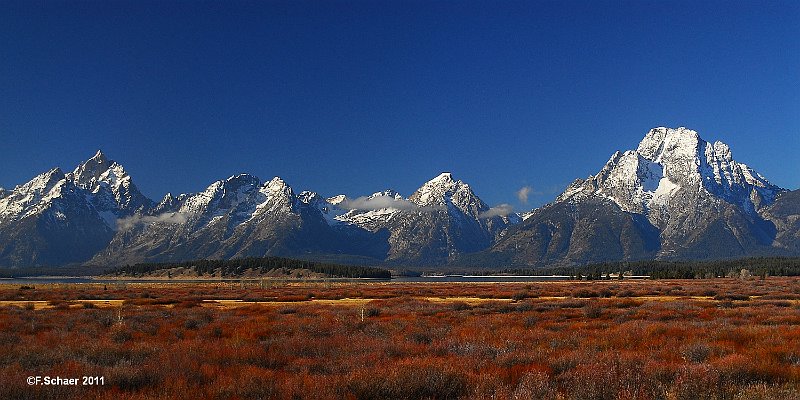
x,y
675,197
593,230
59,218
785,215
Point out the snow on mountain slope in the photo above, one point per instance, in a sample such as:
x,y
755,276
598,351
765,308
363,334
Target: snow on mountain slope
x,y
328,208
239,199
439,221
372,212
50,221
32,197
666,162
241,216
236,217
112,189
441,193
444,191
102,183
675,196
58,218
335,200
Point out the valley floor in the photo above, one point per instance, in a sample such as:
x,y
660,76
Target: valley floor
x,y
676,339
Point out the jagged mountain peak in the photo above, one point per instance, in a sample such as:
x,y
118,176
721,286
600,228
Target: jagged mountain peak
x,y
443,178
168,202
221,194
243,177
445,191
672,161
313,199
675,196
232,184
386,193
89,172
277,185
239,182
660,140
243,192
112,187
328,208
439,190
335,200
277,182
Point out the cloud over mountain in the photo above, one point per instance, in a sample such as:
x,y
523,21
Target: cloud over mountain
x,y
523,193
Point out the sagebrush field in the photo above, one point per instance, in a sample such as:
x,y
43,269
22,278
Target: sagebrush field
x,y
681,339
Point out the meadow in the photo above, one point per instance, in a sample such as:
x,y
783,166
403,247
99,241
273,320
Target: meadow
x,y
652,339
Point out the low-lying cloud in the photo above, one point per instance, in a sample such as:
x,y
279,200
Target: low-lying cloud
x,y
497,211
124,224
523,193
365,203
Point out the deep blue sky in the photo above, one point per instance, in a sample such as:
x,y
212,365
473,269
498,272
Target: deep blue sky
x,y
358,96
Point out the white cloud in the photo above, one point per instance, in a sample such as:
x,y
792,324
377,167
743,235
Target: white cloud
x,y
497,211
365,203
523,193
124,224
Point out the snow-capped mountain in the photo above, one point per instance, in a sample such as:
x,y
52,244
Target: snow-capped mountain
x,y
438,222
373,212
235,217
59,218
669,161
675,196
240,216
328,208
110,185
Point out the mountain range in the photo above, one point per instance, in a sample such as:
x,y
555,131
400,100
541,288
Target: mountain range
x,y
675,196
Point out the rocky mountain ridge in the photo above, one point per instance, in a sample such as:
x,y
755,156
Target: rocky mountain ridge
x,y
61,218
674,196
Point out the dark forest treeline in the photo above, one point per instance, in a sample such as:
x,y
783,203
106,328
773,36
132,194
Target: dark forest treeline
x,y
758,266
237,267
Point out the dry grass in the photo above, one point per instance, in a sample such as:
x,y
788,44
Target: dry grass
x,y
715,339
